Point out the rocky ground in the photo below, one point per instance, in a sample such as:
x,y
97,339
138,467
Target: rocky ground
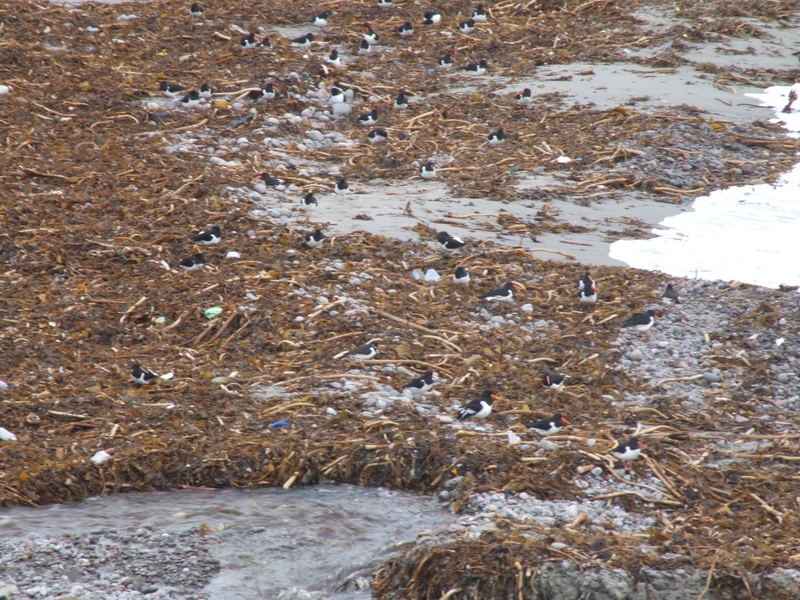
x,y
106,181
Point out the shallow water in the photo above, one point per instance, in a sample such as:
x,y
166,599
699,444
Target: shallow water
x,y
298,543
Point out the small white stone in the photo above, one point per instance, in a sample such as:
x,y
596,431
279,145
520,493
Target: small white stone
x,y
6,435
445,419
4,89
331,411
526,308
341,109
100,457
233,254
3,386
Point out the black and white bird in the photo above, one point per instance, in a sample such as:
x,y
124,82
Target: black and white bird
x,y
196,10
480,408
265,93
479,15
422,384
206,91
431,17
142,376
524,96
364,352
191,99
207,237
370,35
309,199
587,290
333,58
405,30
553,381
641,321
670,295
264,43
248,41
369,118
477,68
377,135
321,20
497,137
427,170
551,425
449,242
314,238
194,262
467,26
505,293
461,276
171,90
304,41
337,96
628,451
364,47
341,186
270,180
445,61
400,101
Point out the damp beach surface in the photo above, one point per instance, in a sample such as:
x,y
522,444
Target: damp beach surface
x,y
108,181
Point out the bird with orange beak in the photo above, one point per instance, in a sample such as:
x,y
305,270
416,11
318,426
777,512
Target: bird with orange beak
x,y
480,407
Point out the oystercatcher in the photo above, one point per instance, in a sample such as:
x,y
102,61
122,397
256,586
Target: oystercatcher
x,y
587,290
364,352
449,242
428,170
370,35
445,61
477,68
401,101
524,96
461,276
364,47
341,186
208,237
337,96
171,90
248,41
321,20
551,425
270,180
628,451
480,408
467,26
641,321
431,18
377,135
497,137
309,199
479,15
670,296
314,238
194,262
333,58
191,99
196,10
206,91
505,293
405,30
422,384
265,93
552,380
142,376
369,118
303,41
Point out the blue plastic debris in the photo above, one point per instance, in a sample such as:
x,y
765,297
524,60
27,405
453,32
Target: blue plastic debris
x,y
277,424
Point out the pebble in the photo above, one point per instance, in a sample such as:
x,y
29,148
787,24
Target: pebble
x,y
3,386
636,354
526,308
4,89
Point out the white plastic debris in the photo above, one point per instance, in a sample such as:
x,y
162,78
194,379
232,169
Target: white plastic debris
x,y
3,386
563,159
6,435
778,342
432,275
100,457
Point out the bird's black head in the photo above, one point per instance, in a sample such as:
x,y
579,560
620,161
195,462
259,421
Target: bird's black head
x,y
442,237
216,230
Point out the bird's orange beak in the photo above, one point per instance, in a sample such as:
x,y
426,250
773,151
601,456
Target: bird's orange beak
x,y
595,288
642,444
495,397
566,420
518,286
